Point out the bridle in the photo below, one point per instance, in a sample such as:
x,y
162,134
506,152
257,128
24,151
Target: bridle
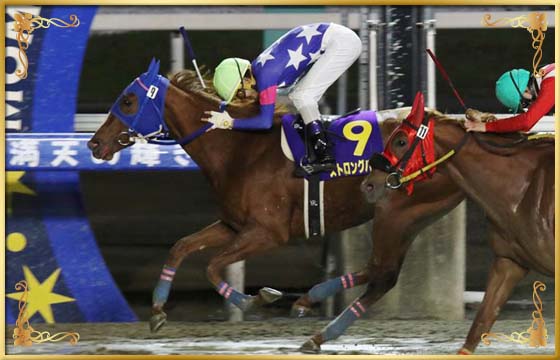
x,y
161,135
163,131
400,166
424,170
395,178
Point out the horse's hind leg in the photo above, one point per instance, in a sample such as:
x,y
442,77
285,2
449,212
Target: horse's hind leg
x,y
504,275
215,235
321,291
249,242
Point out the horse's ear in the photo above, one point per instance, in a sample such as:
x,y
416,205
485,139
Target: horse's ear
x,y
156,70
417,113
153,70
152,64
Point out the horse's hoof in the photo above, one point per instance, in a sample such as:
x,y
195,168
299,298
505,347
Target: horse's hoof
x,y
299,311
269,295
248,303
157,321
310,347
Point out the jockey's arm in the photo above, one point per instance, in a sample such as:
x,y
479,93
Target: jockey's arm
x,y
264,120
524,122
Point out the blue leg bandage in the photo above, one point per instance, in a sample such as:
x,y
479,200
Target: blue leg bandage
x,y
330,287
337,327
233,296
163,287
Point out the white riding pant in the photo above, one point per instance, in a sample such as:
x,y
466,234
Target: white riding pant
x,y
341,47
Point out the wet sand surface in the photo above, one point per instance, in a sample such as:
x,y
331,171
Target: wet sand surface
x,y
278,336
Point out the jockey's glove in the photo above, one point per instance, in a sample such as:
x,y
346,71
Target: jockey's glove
x,y
479,116
220,120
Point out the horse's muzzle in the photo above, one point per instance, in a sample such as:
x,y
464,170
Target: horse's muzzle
x,y
92,144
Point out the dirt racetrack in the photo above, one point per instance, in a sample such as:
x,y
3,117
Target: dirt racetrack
x,y
277,336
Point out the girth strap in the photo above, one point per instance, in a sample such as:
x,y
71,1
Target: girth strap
x,y
313,207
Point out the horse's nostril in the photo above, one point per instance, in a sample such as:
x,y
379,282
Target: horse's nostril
x,y
366,186
92,144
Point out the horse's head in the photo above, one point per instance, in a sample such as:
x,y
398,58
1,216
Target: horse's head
x,y
137,114
409,149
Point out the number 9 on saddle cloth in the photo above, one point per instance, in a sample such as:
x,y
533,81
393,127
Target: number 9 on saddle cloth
x,y
354,137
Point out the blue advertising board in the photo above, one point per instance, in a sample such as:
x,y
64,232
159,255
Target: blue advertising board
x,y
69,151
49,241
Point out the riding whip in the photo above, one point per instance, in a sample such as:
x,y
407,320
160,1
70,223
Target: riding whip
x,y
191,54
446,77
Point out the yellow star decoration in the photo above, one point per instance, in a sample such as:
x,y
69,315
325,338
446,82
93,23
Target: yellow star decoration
x,y
14,185
40,295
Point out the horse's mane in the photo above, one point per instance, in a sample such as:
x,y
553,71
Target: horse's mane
x,y
504,144
188,81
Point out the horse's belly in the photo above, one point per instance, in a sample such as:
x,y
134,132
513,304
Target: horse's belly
x,y
344,207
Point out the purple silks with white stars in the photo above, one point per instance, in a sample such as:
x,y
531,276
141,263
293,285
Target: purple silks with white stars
x,y
281,65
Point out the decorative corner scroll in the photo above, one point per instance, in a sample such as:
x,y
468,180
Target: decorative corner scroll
x,y
535,23
25,24
25,335
536,335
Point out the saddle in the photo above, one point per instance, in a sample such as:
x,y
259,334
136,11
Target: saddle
x,y
354,137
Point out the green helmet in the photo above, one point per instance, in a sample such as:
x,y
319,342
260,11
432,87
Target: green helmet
x,y
510,87
228,75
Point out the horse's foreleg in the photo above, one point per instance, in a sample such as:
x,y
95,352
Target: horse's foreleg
x,y
383,270
327,288
504,275
378,286
249,242
217,234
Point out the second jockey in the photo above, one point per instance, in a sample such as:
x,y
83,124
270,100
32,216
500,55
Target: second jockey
x,y
517,89
307,60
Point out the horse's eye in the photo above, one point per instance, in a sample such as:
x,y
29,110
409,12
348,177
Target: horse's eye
x,y
127,102
402,143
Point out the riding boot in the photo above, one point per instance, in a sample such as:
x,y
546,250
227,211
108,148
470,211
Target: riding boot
x,y
319,157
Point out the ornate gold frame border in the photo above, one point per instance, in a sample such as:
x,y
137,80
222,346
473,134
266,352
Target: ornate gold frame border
x,y
24,25
556,4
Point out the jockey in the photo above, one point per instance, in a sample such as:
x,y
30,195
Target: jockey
x,y
517,89
307,60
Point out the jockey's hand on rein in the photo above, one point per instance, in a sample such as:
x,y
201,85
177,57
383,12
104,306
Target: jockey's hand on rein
x,y
479,116
220,120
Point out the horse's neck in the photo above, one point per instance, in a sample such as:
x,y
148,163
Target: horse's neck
x,y
481,175
211,150
219,153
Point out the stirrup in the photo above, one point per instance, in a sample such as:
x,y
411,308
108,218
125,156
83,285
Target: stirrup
x,y
303,169
313,168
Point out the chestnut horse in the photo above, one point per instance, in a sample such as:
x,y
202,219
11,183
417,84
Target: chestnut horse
x,y
512,181
260,200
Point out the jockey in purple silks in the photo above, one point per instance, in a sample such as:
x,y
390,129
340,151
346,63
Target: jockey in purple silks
x,y
307,60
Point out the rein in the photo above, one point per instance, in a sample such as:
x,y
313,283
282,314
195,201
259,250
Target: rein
x,y
162,138
522,139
